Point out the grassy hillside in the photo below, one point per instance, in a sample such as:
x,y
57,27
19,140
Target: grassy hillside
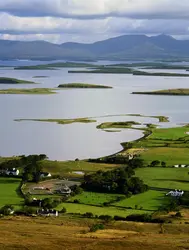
x,y
68,233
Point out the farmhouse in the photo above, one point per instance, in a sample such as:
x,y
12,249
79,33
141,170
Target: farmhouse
x,y
176,193
13,172
47,212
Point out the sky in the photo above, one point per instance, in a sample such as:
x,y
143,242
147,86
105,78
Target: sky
x,y
87,21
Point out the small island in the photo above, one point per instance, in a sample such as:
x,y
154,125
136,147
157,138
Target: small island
x,y
181,92
35,91
60,121
7,80
127,124
53,66
83,86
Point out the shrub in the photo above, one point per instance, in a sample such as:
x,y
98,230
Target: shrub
x,y
88,215
63,210
76,201
119,218
96,227
105,217
178,214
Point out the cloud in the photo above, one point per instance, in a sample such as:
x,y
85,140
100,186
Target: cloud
x,y
98,9
87,20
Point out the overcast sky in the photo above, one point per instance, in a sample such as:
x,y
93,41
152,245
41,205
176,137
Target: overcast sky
x,y
87,21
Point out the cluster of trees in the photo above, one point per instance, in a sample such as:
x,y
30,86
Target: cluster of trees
x,y
120,181
157,163
30,166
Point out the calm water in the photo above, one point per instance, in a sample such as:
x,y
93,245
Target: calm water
x,y
82,140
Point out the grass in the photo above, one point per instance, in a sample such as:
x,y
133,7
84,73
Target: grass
x,y
52,66
7,80
112,211
105,70
181,92
61,121
143,73
165,178
66,168
93,198
127,124
35,91
72,233
172,156
151,200
8,193
83,85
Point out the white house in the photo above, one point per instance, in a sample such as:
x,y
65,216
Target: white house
x,y
47,212
14,172
64,190
176,193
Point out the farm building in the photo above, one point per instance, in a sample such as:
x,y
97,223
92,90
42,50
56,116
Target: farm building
x,y
47,212
13,172
176,193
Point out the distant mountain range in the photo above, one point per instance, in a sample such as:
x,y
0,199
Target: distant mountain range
x,y
118,48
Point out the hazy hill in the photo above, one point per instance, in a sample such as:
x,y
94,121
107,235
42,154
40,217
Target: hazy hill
x,y
122,47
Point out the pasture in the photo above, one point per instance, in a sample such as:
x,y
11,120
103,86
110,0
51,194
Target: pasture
x,y
166,178
8,192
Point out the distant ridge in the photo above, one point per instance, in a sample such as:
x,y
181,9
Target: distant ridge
x,y
117,48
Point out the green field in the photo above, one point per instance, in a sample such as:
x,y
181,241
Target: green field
x,y
35,91
150,201
182,92
127,124
83,86
112,211
92,198
8,194
167,178
67,167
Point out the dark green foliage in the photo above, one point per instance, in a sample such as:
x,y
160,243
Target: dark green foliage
x,y
144,218
50,203
155,163
116,181
76,190
7,209
88,215
119,218
63,210
96,227
105,217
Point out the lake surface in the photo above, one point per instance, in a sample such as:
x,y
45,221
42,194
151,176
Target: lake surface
x,y
67,142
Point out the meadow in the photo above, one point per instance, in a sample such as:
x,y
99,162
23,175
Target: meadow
x,y
165,178
8,192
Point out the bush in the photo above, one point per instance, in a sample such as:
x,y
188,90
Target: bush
x,y
7,210
178,214
96,227
63,210
88,215
119,218
76,201
105,217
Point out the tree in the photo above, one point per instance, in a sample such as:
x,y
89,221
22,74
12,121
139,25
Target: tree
x,y
7,210
163,164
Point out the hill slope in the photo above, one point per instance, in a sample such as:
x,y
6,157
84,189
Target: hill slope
x,y
122,47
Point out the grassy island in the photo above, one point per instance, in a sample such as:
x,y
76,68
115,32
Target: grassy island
x,y
52,66
7,80
60,121
143,73
83,85
105,70
181,92
127,124
35,91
